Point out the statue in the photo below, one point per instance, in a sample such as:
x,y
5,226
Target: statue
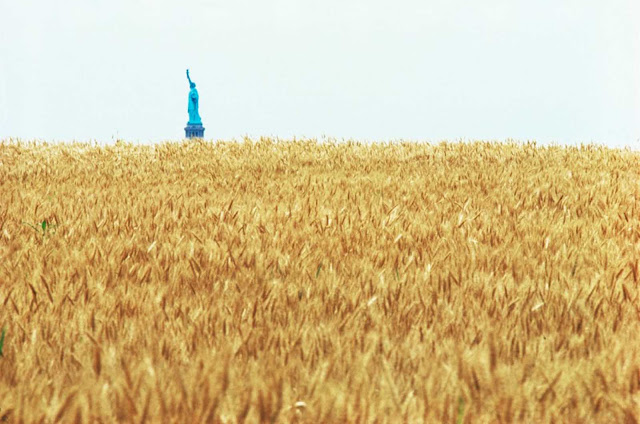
x,y
194,126
194,116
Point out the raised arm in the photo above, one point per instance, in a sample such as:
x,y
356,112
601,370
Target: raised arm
x,y
188,77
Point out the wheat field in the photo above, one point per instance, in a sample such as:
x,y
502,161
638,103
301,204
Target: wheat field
x,y
319,282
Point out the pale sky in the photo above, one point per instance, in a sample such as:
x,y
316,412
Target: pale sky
x,y
565,71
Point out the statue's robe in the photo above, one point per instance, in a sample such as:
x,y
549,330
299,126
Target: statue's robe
x,y
194,116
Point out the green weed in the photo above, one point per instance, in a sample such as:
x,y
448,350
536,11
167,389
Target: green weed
x,y
460,410
43,227
2,340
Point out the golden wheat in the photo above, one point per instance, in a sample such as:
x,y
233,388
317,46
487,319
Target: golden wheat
x,y
265,281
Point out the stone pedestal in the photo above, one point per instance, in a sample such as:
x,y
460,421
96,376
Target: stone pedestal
x,y
194,131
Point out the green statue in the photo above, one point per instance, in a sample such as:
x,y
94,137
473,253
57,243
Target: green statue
x,y
194,116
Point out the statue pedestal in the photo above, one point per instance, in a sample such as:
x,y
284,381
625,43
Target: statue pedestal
x,y
194,130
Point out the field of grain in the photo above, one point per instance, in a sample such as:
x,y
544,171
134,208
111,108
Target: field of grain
x,y
319,282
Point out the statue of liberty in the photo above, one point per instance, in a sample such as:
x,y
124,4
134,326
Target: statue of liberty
x,y
194,116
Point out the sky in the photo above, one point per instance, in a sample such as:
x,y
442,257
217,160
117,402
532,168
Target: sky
x,y
554,71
